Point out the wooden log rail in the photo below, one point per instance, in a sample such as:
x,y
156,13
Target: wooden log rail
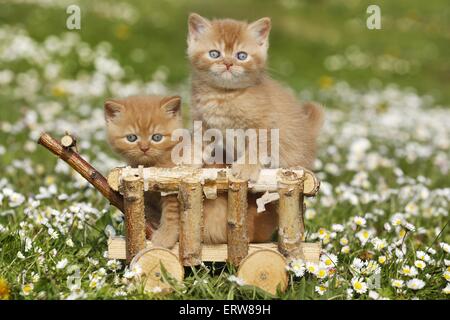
x,y
133,196
291,226
168,179
237,229
190,197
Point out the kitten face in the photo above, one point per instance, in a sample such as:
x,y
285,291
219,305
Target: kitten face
x,y
140,128
228,53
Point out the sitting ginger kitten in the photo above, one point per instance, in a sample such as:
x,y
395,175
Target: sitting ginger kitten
x,y
140,129
231,90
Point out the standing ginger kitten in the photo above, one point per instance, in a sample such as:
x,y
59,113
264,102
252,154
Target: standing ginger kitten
x,y
231,90
140,129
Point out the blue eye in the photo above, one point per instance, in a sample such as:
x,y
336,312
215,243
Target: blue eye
x,y
214,54
131,137
157,137
241,55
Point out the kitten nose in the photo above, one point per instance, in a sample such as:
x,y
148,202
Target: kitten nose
x,y
228,65
144,148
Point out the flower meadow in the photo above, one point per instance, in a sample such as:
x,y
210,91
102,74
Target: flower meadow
x,y
381,214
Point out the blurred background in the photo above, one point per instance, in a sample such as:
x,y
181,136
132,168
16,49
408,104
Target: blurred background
x,y
313,43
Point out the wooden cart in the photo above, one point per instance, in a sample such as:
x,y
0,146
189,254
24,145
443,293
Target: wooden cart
x,y
262,265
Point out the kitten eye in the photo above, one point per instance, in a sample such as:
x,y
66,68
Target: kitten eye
x,y
132,137
214,54
241,55
157,137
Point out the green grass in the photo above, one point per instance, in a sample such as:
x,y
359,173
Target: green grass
x,y
403,169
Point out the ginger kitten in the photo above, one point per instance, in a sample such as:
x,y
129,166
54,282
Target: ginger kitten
x,y
231,89
139,129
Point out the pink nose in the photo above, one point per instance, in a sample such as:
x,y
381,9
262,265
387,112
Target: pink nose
x,y
144,149
228,65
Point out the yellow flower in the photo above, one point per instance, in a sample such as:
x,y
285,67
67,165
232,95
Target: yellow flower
x,y
311,267
420,264
58,91
4,289
381,259
345,249
359,285
322,232
396,283
343,241
328,262
402,233
49,180
122,31
321,289
326,82
27,289
447,275
322,273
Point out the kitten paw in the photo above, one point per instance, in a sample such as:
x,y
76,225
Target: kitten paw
x,y
246,171
165,238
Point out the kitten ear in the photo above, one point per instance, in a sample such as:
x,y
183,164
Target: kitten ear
x,y
260,29
112,109
171,105
197,25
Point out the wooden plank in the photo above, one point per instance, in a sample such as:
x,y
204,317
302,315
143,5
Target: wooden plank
x,y
168,179
290,222
190,198
133,202
237,228
216,252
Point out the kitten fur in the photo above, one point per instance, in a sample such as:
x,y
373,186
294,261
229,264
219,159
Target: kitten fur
x,y
232,93
145,116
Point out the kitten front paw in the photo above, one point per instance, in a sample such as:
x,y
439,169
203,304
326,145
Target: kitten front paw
x,y
246,171
165,237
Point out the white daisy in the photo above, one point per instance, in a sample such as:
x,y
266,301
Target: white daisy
x,y
62,264
397,283
420,264
359,285
408,271
415,284
359,221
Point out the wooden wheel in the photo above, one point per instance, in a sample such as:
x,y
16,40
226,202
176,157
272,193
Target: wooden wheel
x,y
150,261
265,269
